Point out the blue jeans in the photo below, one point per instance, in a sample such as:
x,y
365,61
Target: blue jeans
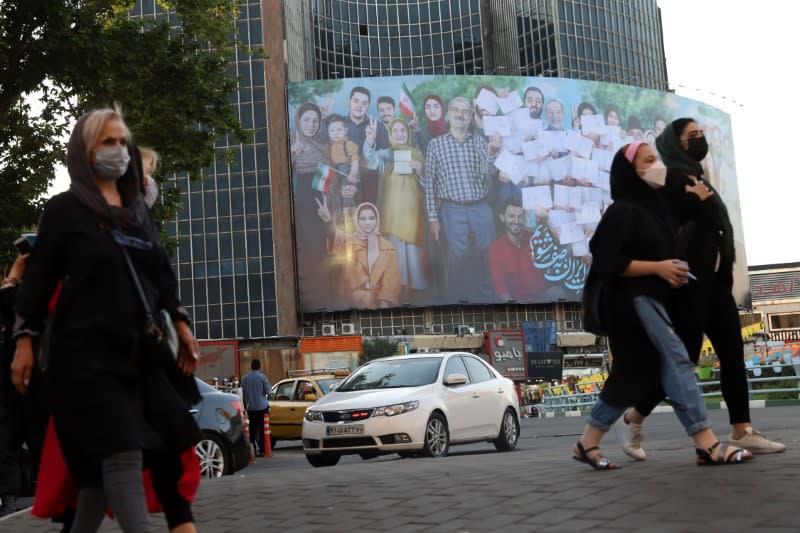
x,y
468,232
677,373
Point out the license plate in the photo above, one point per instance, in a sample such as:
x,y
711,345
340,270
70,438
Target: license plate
x,y
345,429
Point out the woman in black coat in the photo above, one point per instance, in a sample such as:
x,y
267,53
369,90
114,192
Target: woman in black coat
x,y
108,404
705,305
633,255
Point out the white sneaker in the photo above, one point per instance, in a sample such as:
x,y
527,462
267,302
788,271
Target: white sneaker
x,y
757,443
630,437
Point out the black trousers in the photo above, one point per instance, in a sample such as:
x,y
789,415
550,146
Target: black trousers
x,y
256,422
710,308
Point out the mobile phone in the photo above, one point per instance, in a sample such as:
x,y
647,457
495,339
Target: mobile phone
x,y
25,243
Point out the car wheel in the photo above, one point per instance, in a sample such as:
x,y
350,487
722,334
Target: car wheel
x,y
213,456
437,436
322,460
509,432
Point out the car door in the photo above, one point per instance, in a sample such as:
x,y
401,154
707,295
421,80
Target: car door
x,y
488,404
297,407
280,415
458,400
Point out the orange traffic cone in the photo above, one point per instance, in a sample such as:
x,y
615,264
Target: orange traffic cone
x,y
267,441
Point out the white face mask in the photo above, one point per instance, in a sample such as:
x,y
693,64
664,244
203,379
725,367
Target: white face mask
x,y
111,162
656,175
150,192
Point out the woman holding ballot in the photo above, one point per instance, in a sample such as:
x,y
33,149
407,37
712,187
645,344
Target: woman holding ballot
x,y
401,203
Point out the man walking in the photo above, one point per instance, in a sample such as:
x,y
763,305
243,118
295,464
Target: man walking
x,y
255,387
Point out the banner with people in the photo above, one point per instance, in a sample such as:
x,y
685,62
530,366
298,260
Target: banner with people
x,y
436,190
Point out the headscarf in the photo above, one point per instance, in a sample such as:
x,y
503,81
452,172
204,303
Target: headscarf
x,y
436,127
371,239
416,155
674,156
83,183
627,185
313,151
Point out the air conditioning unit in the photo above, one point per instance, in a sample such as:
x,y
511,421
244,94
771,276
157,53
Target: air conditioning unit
x,y
437,329
348,328
488,326
503,325
569,325
328,330
464,329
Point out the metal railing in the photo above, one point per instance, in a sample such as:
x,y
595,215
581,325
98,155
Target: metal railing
x,y
559,399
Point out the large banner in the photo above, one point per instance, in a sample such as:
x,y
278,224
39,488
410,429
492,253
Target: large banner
x,y
434,190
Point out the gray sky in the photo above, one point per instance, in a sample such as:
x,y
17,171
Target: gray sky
x,y
738,56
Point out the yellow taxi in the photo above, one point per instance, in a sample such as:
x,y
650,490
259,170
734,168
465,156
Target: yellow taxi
x,y
290,397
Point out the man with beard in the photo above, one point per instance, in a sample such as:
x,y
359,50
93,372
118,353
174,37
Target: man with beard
x,y
534,101
386,109
513,275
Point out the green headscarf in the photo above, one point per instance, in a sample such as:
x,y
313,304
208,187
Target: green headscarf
x,y
674,156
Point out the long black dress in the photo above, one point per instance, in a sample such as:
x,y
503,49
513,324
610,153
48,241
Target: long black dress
x,y
635,226
104,399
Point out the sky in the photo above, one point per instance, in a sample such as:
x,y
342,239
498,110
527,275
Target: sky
x,y
737,57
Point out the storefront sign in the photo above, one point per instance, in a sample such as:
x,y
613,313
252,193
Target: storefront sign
x,y
545,365
506,353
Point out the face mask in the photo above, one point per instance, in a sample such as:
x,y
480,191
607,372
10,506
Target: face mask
x,y
656,175
150,192
111,162
698,148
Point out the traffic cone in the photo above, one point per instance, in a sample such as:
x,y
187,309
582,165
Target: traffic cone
x,y
267,441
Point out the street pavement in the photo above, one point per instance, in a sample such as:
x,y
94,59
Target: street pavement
x,y
534,488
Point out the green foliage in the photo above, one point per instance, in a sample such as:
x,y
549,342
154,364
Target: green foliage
x,y
172,81
309,92
378,347
644,103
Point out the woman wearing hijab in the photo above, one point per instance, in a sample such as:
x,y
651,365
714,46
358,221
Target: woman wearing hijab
x,y
95,334
707,304
401,203
435,123
634,255
370,276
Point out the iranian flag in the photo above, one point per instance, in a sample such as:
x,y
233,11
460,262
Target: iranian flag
x,y
323,179
407,106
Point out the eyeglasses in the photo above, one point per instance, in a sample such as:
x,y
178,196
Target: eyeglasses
x,y
131,242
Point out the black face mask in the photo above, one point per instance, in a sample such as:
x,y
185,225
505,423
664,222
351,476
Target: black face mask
x,y
698,148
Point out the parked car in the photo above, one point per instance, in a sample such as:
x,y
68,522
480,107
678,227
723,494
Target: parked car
x,y
413,404
289,399
224,448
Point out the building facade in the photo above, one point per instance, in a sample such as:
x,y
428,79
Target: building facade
x,y
775,291
236,264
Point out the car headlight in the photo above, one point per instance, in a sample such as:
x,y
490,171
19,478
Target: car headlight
x,y
396,409
311,416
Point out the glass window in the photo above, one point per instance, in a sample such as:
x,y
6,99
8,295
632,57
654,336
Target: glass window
x,y
282,391
784,321
477,370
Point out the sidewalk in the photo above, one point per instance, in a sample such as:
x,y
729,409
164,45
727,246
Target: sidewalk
x,y
536,488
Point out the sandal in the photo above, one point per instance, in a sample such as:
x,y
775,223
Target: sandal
x,y
736,456
598,463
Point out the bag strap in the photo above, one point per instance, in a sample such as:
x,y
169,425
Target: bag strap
x,y
148,314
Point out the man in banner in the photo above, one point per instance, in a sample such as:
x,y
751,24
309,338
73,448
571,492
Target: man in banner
x,y
460,170
386,109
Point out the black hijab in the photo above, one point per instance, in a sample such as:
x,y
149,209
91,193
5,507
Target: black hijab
x,y
627,185
83,185
674,156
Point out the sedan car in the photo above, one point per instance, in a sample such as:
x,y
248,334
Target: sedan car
x,y
413,404
289,399
224,449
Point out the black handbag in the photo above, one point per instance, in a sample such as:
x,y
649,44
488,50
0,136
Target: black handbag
x,y
159,335
592,296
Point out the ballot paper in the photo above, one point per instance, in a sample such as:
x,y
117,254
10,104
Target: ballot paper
x,y
603,158
496,126
510,102
589,213
538,196
559,168
580,248
569,233
555,140
402,162
567,197
514,166
488,101
534,150
592,124
523,125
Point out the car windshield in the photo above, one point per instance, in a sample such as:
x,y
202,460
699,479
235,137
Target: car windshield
x,y
325,384
393,374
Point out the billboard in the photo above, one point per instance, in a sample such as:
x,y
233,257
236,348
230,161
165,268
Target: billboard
x,y
435,190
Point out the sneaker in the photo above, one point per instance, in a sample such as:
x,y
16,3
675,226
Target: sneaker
x,y
630,437
9,505
757,443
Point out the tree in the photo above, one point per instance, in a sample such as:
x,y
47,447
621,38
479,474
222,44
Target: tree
x,y
378,347
170,75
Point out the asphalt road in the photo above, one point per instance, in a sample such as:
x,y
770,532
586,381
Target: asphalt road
x,y
535,488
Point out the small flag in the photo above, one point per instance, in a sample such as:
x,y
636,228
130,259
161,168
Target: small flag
x,y
407,106
323,179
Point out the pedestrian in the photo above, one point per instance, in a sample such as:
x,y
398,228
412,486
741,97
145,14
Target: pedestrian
x,y
707,304
255,388
95,352
634,256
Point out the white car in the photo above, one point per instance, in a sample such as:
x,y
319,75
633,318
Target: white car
x,y
412,404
